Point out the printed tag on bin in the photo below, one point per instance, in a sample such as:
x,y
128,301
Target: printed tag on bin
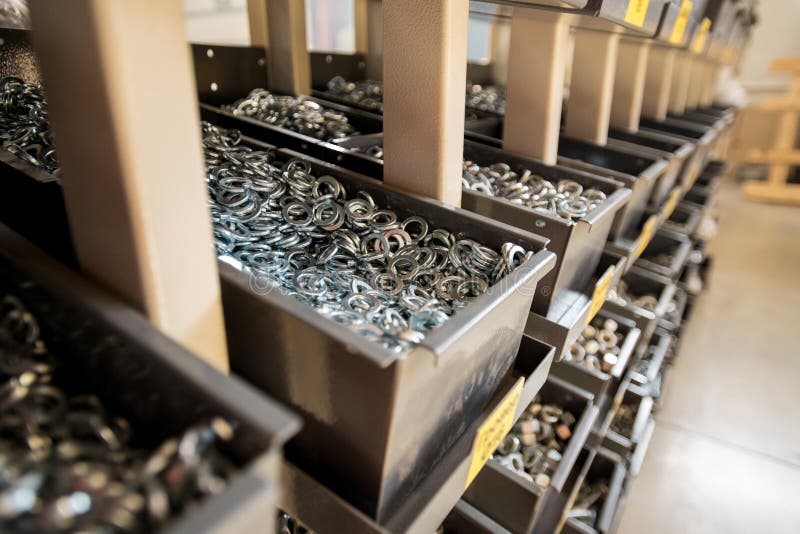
x,y
600,291
493,430
648,230
680,24
637,9
672,202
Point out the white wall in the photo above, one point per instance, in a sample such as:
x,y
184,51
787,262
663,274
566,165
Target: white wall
x,y
777,34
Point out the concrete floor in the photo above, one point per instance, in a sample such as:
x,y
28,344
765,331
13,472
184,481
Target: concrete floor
x,y
725,455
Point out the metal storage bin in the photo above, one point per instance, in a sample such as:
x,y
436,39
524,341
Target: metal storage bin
x,y
567,317
624,445
700,197
635,170
607,465
704,138
386,419
681,160
712,175
434,497
597,382
666,242
155,383
684,220
523,506
578,245
653,360
672,321
642,281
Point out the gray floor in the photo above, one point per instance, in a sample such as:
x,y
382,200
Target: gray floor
x,y
725,456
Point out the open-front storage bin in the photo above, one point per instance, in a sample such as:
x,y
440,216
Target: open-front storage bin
x,y
704,138
636,170
386,418
578,244
679,153
646,373
644,298
607,468
684,220
627,426
111,351
436,494
568,315
666,254
597,381
519,504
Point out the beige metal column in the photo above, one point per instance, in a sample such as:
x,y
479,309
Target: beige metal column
x,y
289,70
679,90
629,84
697,81
257,20
423,110
658,82
537,60
374,40
123,106
709,84
594,66
361,25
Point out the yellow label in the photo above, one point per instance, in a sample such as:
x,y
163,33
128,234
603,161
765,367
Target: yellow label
x,y
600,291
680,23
648,230
637,9
702,35
672,202
493,430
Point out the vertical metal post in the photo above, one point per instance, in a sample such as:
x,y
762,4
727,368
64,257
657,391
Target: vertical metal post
x,y
696,82
423,84
658,82
289,70
374,40
125,116
679,90
537,60
629,84
257,20
361,26
594,66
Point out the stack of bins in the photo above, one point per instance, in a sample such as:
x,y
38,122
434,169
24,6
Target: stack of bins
x,y
112,351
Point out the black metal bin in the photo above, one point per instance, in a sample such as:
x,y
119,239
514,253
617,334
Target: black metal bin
x,y
520,505
156,384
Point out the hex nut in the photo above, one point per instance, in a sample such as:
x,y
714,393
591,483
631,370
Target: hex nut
x,y
563,432
610,325
542,480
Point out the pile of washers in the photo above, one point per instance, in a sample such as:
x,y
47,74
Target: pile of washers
x,y
567,198
67,463
389,279
298,114
24,127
